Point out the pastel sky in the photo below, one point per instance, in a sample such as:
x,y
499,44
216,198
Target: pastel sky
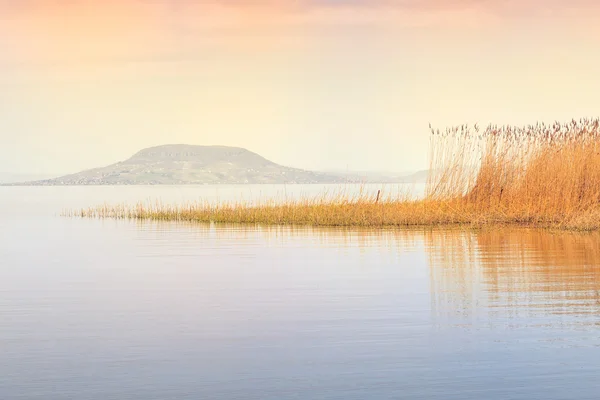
x,y
317,84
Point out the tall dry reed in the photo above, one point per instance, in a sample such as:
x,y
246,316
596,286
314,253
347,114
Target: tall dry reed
x,y
535,174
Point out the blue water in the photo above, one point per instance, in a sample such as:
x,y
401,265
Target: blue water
x,y
104,310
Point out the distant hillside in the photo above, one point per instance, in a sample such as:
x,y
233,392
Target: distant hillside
x,y
180,164
185,164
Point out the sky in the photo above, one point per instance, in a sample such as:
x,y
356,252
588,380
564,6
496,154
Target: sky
x,y
315,84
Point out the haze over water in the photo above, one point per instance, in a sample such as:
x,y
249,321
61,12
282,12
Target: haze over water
x,y
102,309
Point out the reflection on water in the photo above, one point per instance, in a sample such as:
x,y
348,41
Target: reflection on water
x,y
515,272
490,271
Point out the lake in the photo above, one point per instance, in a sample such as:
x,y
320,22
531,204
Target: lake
x,y
103,309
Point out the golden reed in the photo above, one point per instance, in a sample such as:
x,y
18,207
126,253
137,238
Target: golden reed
x,y
543,175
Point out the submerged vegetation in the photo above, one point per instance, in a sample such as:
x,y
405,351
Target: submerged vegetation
x,y
545,175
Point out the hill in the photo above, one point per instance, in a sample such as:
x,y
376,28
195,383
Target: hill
x,y
186,164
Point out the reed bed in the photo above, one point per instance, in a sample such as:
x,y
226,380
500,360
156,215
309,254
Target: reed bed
x,y
542,175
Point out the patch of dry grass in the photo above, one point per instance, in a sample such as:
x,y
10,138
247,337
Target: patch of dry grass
x,y
539,175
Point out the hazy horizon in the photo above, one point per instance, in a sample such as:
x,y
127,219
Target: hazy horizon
x,y
14,177
320,85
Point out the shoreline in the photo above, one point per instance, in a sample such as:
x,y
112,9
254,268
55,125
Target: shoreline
x,y
417,214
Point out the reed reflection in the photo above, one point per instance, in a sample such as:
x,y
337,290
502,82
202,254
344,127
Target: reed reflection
x,y
505,273
514,272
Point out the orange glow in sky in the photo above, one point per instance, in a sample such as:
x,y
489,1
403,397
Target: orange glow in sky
x,y
314,84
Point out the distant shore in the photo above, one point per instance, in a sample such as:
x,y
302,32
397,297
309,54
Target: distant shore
x,y
181,164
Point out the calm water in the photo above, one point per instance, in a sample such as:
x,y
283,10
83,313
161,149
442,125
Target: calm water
x,y
105,310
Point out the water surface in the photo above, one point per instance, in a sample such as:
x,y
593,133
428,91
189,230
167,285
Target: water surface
x,y
134,310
